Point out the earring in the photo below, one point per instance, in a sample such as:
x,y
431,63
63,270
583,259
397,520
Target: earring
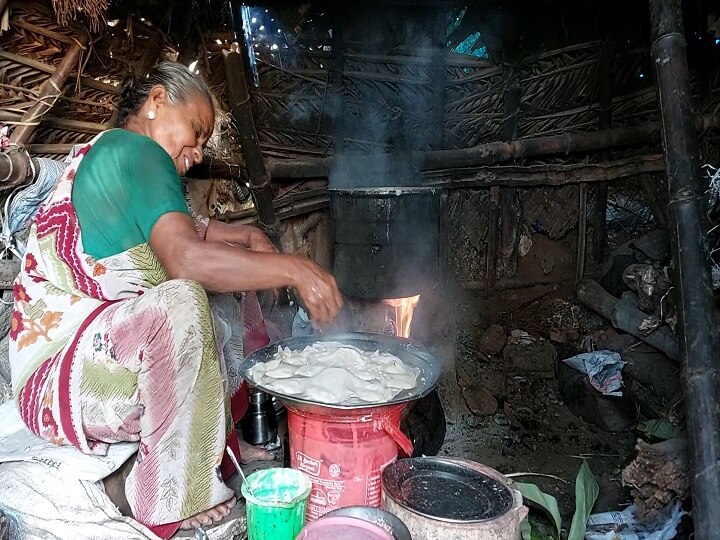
x,y
151,115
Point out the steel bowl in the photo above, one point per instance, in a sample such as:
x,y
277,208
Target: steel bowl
x,y
382,518
428,364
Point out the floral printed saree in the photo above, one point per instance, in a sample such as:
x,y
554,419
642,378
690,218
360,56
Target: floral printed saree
x,y
111,350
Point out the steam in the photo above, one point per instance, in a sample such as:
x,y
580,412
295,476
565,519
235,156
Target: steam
x,y
381,132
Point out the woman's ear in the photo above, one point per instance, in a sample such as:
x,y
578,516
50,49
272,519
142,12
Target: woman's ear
x,y
157,96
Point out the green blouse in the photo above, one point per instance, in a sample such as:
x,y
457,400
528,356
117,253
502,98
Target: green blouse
x,y
122,187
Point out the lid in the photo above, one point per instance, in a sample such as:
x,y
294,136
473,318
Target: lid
x,y
347,528
446,490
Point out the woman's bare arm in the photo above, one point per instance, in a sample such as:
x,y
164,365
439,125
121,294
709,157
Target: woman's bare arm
x,y
243,235
221,267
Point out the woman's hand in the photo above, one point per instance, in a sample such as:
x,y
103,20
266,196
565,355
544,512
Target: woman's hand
x,y
317,289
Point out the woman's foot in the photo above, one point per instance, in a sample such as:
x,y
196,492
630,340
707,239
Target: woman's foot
x,y
250,453
208,517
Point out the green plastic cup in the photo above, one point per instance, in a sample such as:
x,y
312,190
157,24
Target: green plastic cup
x,y
275,502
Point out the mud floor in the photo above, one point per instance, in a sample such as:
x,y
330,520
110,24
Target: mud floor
x,y
508,413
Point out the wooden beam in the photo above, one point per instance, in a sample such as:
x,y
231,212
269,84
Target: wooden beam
x,y
49,92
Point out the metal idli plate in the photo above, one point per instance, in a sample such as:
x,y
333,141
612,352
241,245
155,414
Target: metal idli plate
x,y
445,490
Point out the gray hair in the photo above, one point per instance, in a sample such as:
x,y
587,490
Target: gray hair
x,y
180,84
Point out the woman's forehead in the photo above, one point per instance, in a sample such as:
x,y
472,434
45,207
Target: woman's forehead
x,y
202,112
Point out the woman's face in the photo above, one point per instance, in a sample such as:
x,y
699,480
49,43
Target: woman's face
x,y
182,129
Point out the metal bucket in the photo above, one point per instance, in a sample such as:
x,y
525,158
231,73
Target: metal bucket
x,y
386,241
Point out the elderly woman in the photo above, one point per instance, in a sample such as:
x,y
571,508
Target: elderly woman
x,y
112,334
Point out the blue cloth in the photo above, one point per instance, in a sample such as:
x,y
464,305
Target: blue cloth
x,y
24,204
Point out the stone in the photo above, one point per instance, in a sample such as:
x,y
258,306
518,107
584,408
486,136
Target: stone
x,y
492,340
527,354
479,400
547,261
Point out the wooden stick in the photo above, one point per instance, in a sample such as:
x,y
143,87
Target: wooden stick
x,y
53,149
550,175
605,95
50,91
492,236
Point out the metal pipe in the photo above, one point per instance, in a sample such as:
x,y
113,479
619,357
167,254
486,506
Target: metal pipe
x,y
699,345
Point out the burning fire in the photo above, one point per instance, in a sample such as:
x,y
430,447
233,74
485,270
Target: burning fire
x,y
404,308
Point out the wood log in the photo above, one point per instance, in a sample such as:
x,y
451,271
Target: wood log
x,y
626,317
49,91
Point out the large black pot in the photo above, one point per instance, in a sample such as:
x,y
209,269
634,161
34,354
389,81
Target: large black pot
x,y
386,241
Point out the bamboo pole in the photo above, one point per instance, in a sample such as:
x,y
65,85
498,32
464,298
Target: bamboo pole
x,y
699,345
50,91
242,113
15,168
492,153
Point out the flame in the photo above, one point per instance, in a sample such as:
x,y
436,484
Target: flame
x,y
404,308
